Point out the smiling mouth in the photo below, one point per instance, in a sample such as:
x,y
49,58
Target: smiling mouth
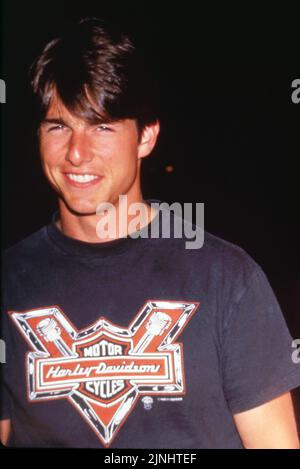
x,y
82,180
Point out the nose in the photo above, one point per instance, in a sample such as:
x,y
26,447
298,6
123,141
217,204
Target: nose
x,y
78,150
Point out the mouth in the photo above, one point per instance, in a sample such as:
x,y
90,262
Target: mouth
x,y
82,180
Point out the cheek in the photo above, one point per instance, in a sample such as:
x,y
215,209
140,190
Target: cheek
x,y
119,155
50,152
126,152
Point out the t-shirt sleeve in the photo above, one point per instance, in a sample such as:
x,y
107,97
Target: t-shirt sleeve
x,y
5,402
7,360
5,411
257,348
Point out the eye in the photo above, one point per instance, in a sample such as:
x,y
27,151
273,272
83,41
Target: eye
x,y
56,127
104,128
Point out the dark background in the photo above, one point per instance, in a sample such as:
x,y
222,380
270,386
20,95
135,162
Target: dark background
x,y
229,127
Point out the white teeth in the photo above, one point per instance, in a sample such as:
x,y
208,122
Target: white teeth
x,y
81,177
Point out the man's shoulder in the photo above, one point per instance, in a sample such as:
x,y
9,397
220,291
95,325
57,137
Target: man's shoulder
x,y
229,256
224,248
221,261
29,247
214,249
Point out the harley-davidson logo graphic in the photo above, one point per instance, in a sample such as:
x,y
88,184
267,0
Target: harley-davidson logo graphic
x,y
104,368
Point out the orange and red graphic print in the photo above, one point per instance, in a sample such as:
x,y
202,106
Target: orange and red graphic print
x,y
103,369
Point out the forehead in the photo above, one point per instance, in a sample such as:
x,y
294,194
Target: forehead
x,y
57,110
85,112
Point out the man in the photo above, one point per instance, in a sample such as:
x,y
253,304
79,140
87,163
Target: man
x,y
119,339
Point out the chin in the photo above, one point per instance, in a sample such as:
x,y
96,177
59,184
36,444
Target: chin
x,y
81,208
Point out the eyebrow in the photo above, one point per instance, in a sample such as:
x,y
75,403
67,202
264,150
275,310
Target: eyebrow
x,y
55,120
59,121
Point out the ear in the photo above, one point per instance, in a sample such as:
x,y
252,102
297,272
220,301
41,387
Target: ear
x,y
148,139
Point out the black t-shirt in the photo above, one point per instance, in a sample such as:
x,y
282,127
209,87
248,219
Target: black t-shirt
x,y
137,343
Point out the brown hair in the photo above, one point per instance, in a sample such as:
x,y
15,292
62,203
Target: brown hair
x,y
97,73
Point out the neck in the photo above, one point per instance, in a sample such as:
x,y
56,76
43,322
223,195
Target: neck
x,y
106,226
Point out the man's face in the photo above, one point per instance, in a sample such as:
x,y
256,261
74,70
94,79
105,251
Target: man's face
x,y
89,164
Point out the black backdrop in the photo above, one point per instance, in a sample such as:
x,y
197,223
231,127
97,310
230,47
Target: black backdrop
x,y
229,127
